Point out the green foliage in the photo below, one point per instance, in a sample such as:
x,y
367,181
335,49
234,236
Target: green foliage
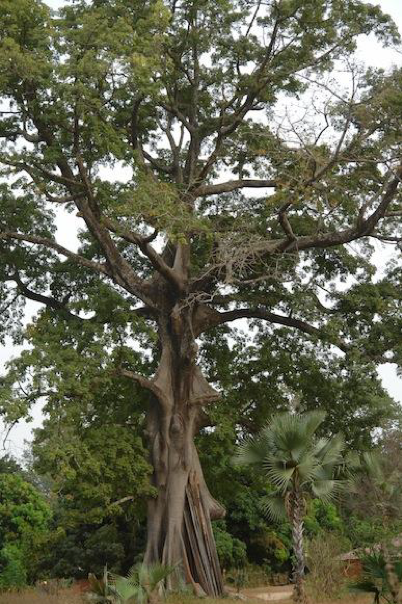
x,y
231,551
322,516
24,521
23,510
13,571
140,585
8,465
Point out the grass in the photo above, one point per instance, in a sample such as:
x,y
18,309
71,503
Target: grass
x,y
33,596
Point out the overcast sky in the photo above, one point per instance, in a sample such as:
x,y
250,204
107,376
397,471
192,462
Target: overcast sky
x,y
372,54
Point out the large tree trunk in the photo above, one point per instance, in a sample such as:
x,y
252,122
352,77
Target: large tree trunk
x,y
179,518
297,506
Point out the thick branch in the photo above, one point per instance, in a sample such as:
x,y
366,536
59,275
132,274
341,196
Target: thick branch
x,y
140,379
233,185
148,250
118,268
363,228
218,318
48,301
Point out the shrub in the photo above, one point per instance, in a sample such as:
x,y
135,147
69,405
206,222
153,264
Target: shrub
x,y
231,551
12,568
326,578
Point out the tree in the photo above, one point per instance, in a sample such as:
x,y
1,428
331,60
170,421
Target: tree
x,y
9,465
296,463
100,479
171,92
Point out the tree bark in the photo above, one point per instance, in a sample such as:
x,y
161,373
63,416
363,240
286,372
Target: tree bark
x,y
297,506
392,578
179,518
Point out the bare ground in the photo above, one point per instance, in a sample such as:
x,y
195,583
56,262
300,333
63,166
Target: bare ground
x,y
253,596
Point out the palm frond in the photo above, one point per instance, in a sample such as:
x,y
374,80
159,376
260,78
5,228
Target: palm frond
x,y
158,573
311,421
288,450
331,451
278,473
288,437
325,489
253,449
366,586
124,589
273,506
372,464
352,460
308,468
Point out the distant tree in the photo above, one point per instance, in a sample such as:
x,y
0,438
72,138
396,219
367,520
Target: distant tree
x,y
9,465
297,464
173,93
100,479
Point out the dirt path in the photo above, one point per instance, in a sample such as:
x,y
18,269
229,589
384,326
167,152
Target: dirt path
x,y
268,593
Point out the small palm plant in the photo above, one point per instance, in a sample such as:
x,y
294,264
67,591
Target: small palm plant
x,y
297,464
100,590
375,577
143,585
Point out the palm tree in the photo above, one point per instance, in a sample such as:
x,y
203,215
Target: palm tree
x,y
386,496
376,577
297,464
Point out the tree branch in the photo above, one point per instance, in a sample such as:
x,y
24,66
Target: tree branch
x,y
218,318
363,228
100,268
136,377
48,301
148,250
232,185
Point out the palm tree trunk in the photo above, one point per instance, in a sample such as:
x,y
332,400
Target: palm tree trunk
x,y
391,576
297,511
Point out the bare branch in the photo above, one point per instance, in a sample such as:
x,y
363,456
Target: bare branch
x,y
232,185
285,224
123,500
363,228
136,377
148,250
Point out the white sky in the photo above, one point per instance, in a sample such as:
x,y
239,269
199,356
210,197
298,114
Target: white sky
x,y
371,53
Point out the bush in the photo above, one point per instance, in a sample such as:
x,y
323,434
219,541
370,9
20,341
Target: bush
x,y
13,572
326,578
231,551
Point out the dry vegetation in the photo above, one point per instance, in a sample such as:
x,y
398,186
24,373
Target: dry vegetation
x,y
69,597
33,596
